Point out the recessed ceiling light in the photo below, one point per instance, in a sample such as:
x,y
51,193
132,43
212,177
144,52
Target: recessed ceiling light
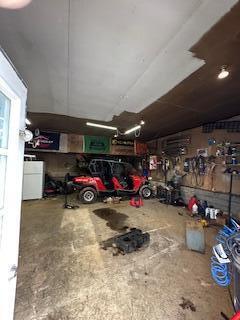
x,y
91,124
223,74
14,4
142,122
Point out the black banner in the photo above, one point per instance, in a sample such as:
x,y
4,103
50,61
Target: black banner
x,y
43,140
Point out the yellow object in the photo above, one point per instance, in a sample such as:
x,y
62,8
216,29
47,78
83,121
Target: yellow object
x,y
204,222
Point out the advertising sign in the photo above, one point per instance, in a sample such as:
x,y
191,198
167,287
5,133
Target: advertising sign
x,y
43,140
75,143
153,163
96,144
122,147
140,148
120,142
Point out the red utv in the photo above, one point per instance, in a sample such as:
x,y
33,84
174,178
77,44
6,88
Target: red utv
x,y
109,177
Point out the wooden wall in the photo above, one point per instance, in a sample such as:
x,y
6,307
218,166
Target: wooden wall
x,y
217,180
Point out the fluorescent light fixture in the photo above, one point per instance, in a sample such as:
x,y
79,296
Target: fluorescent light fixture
x,y
133,129
223,74
97,125
28,122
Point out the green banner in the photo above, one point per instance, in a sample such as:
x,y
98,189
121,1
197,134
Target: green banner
x,y
95,144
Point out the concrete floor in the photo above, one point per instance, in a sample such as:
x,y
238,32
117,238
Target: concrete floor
x,y
64,274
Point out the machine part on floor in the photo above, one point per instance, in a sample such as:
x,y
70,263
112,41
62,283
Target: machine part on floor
x,y
195,236
52,187
132,241
175,187
113,200
66,191
163,193
170,195
67,205
136,202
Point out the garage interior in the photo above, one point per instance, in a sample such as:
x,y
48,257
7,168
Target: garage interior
x,y
134,111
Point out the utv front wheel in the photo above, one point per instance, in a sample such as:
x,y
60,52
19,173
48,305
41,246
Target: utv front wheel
x,y
145,192
88,195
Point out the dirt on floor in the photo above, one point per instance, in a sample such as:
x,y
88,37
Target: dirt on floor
x,y
64,274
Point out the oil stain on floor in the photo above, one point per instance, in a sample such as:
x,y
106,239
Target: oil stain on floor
x,y
115,220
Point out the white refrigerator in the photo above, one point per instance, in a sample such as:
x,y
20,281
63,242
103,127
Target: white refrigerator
x,y
33,180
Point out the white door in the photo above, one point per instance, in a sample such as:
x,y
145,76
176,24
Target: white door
x,y
12,121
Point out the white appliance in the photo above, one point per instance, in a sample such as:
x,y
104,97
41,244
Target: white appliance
x,y
33,180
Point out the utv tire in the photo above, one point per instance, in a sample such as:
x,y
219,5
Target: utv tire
x,y
145,192
88,195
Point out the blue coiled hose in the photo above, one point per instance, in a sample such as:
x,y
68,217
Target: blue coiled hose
x,y
221,271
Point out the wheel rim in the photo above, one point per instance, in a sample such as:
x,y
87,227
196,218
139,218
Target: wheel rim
x,y
146,192
88,196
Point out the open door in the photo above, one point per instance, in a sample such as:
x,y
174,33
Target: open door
x,y
13,95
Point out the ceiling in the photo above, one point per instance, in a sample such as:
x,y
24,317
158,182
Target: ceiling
x,y
121,61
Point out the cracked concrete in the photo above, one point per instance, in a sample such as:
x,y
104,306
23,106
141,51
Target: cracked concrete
x,y
65,275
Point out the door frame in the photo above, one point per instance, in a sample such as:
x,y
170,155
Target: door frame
x,y
13,87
